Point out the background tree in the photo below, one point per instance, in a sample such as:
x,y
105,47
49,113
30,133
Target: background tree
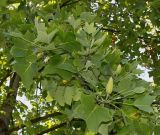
x,y
76,63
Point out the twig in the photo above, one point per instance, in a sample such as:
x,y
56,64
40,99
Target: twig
x,y
67,3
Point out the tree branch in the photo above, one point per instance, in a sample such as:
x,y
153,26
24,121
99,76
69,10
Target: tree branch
x,y
118,31
9,104
52,128
35,120
110,30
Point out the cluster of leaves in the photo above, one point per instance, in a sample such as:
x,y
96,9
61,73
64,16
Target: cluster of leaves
x,y
66,62
136,28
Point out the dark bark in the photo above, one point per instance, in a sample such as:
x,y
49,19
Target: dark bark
x,y
8,105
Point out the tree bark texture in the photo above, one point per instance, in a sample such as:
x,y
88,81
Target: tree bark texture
x,y
8,105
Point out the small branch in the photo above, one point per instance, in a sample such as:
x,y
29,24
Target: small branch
x,y
118,31
52,128
110,30
35,120
64,4
46,116
67,3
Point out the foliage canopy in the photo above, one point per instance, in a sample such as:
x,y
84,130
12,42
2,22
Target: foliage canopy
x,y
76,64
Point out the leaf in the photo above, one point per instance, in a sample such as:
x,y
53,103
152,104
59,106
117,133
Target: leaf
x,y
18,52
26,70
100,40
89,77
89,28
139,89
59,95
57,66
49,98
43,36
74,23
51,69
144,103
68,95
16,34
3,3
87,16
157,130
67,66
96,116
92,113
89,133
77,95
103,129
49,47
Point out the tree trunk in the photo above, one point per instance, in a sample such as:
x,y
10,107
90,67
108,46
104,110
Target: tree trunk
x,y
8,105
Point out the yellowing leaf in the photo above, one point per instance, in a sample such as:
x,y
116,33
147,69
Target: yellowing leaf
x,y
49,98
89,133
109,86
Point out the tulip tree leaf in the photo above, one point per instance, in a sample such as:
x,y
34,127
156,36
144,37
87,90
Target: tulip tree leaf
x,y
43,36
26,71
144,103
93,114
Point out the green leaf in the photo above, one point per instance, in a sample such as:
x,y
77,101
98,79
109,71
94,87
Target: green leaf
x,y
26,70
139,89
77,95
68,95
89,77
3,3
93,114
18,52
49,97
156,130
100,40
74,23
59,95
103,129
67,66
43,36
53,70
144,103
89,133
87,16
16,34
89,28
